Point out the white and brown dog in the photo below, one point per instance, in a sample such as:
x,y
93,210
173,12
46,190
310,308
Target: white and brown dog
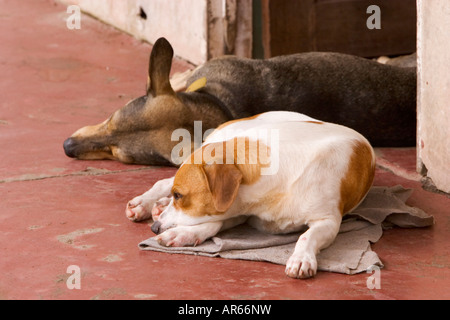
x,y
311,173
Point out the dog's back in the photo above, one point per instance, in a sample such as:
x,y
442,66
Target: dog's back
x,y
376,100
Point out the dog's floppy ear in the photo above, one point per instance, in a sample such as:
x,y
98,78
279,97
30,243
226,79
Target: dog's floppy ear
x,y
224,181
159,68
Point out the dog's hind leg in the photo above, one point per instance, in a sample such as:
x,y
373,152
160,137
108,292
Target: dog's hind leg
x,y
140,208
321,233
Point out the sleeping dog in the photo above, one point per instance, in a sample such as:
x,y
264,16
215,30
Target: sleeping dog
x,y
379,101
299,171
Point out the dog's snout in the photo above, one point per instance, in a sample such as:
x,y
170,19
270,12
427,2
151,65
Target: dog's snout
x,y
69,147
156,227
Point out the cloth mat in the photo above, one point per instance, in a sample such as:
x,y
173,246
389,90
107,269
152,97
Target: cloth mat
x,y
350,253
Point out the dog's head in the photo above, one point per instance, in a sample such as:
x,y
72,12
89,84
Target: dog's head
x,y
141,131
200,194
207,184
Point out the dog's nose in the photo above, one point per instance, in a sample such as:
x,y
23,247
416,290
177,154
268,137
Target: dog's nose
x,y
156,226
69,148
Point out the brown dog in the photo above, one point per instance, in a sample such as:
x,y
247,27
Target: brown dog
x,y
379,101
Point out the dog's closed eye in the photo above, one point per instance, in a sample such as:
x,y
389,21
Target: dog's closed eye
x,y
177,195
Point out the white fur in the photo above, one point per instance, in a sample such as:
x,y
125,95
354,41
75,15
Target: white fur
x,y
140,208
313,159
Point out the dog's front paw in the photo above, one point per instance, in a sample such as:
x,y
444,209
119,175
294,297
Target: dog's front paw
x,y
178,237
141,208
301,265
138,210
159,207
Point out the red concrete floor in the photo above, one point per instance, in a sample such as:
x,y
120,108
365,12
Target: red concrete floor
x,y
56,212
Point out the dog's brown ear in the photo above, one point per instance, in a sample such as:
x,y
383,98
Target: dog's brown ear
x,y
159,68
224,181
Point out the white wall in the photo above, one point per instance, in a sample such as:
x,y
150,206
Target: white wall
x,y
182,22
433,44
197,29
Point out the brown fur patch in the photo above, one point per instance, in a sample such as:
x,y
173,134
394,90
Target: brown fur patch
x,y
315,122
209,180
97,155
249,156
206,190
88,131
359,177
226,124
251,159
224,181
192,184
